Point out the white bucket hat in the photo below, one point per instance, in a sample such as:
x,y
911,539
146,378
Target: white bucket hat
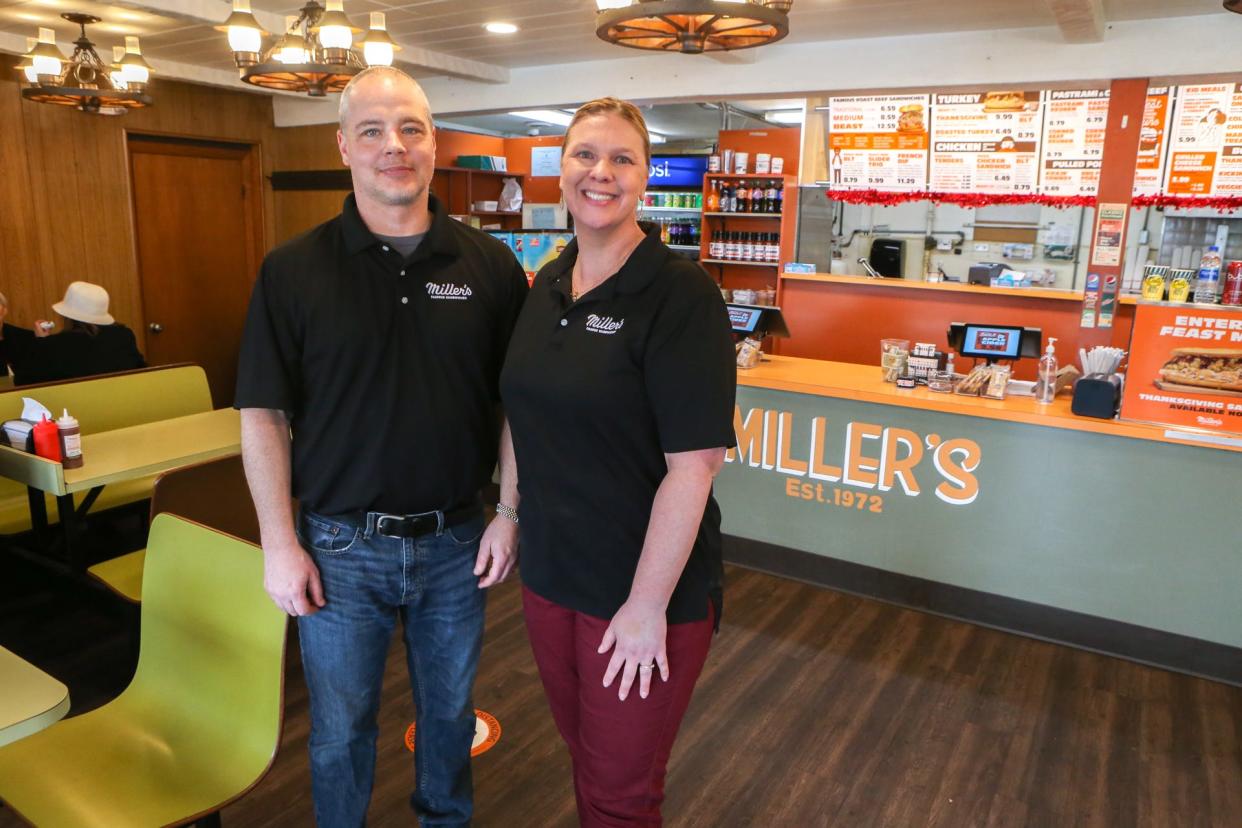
x,y
85,303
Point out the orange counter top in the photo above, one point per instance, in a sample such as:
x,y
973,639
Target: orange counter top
x,y
951,287
862,383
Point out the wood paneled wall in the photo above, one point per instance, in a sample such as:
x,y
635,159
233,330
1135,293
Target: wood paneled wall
x,y
65,204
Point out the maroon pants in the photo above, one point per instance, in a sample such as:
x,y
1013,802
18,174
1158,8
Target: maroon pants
x,y
619,748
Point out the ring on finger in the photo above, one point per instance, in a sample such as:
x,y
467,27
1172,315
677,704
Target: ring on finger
x,y
646,666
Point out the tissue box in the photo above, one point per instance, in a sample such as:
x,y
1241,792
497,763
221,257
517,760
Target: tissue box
x,y
487,206
19,434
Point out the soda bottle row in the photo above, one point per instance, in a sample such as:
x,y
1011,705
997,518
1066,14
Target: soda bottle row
x,y
759,196
683,232
735,246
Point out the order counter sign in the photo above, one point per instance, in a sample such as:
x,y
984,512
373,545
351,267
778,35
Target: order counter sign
x,y
486,733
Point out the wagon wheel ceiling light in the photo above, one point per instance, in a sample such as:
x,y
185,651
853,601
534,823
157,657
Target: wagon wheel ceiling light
x,y
84,80
315,54
692,26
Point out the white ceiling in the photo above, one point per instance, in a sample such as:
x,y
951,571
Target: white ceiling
x,y
445,37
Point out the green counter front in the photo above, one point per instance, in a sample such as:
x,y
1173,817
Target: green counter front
x,y
1119,537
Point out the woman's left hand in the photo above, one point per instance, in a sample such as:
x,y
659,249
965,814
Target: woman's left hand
x,y
636,636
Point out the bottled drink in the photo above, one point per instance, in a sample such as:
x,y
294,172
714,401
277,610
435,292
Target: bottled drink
x,y
1233,285
1209,276
743,198
756,199
726,198
713,198
769,197
780,197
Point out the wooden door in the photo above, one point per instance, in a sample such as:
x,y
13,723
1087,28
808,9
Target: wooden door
x,y
198,221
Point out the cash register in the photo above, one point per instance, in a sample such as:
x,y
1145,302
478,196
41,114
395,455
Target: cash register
x,y
751,325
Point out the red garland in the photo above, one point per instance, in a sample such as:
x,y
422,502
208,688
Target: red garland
x,y
1225,203
886,198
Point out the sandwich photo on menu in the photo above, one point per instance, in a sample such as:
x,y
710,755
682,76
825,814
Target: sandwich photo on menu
x,y
1004,101
1216,369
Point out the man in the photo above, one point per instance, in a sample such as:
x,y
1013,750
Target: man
x,y
377,339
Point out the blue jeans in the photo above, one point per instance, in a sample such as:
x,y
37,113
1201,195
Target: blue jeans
x,y
369,581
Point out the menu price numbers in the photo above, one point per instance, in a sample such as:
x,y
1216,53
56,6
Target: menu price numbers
x,y
849,179
834,496
906,181
1095,119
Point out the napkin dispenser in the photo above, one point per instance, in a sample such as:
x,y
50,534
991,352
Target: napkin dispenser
x,y
1097,395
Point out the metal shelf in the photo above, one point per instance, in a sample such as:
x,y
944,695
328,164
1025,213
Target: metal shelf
x,y
747,215
650,208
687,247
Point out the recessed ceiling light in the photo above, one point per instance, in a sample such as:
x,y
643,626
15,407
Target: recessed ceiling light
x,y
500,28
656,138
547,116
784,116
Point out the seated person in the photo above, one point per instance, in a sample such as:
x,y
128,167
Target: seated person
x,y
91,342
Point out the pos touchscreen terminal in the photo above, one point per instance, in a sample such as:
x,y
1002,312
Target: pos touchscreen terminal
x,y
756,321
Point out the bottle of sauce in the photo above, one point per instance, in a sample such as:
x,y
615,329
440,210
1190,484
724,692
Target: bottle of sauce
x,y
780,197
769,197
743,198
756,199
70,441
47,439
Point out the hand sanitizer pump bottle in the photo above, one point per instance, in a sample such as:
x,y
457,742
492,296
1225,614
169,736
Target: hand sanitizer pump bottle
x,y
1046,388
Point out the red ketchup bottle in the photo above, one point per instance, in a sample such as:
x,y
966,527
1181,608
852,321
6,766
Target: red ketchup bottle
x,y
47,439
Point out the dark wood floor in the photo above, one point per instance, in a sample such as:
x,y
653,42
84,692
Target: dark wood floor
x,y
815,708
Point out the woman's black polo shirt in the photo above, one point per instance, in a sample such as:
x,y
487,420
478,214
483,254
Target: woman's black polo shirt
x,y
388,367
596,393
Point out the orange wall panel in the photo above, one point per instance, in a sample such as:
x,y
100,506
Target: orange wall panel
x,y
542,190
783,141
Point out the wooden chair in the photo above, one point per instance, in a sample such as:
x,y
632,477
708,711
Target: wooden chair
x,y
212,493
200,723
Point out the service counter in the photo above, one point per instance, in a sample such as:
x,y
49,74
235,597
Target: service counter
x,y
843,318
1118,537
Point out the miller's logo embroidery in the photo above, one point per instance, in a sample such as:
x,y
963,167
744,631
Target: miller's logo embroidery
x,y
449,291
603,324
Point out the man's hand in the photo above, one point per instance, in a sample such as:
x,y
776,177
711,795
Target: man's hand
x,y
291,579
43,328
498,552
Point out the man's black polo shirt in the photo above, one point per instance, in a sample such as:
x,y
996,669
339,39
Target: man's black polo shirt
x,y
387,368
596,393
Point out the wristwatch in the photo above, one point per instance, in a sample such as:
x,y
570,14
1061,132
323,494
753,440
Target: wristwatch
x,y
507,512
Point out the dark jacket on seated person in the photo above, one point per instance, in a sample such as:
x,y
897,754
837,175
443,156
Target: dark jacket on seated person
x,y
73,353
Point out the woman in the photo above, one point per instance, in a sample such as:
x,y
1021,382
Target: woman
x,y
618,386
92,342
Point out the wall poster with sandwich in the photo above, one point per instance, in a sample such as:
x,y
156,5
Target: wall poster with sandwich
x,y
1185,367
986,142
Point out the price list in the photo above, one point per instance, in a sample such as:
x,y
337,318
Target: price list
x,y
986,142
1205,142
1073,141
1153,139
878,142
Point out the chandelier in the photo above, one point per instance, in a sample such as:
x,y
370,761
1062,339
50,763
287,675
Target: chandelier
x,y
692,26
84,80
315,54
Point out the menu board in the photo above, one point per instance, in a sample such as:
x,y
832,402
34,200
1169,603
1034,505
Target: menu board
x,y
878,142
986,142
1153,138
1205,144
1073,141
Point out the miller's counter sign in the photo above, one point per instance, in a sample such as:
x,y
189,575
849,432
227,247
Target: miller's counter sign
x,y
1186,367
853,464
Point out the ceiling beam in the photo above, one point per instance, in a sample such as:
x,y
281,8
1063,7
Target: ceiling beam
x,y
1081,21
213,12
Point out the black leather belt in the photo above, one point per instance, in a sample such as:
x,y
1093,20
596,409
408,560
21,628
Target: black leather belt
x,y
413,526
